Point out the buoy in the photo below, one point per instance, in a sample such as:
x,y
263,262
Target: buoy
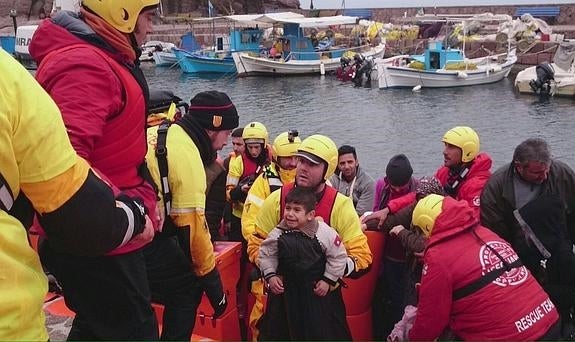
x,y
462,74
321,69
416,88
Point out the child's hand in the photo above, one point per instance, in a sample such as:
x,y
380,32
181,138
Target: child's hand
x,y
276,285
321,288
396,230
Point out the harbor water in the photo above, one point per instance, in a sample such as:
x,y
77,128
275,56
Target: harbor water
x,y
383,122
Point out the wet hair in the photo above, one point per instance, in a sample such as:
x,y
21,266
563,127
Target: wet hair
x,y
238,132
346,149
302,196
532,149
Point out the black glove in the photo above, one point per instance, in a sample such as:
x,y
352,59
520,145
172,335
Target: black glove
x,y
236,194
137,207
212,285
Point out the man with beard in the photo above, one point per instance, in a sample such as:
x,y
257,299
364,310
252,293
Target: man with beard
x,y
280,171
530,203
463,175
352,181
317,160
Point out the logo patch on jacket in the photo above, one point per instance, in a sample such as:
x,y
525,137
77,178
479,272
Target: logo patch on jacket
x,y
337,241
476,201
489,259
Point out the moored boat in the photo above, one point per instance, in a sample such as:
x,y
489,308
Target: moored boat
x,y
442,65
439,68
556,78
299,54
245,34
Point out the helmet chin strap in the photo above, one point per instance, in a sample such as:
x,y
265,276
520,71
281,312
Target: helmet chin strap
x,y
134,44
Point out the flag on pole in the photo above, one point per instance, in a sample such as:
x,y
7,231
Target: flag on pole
x,y
210,9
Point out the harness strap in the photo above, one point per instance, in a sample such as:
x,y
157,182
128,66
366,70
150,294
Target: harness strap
x,y
488,277
6,196
161,155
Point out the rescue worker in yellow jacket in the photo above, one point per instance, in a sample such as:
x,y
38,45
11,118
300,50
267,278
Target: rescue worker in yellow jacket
x,y
244,170
242,173
80,213
280,171
317,161
176,158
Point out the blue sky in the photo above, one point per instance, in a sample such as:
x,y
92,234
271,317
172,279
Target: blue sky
x,y
330,4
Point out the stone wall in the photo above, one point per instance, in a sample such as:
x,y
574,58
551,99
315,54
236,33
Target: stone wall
x,y
385,15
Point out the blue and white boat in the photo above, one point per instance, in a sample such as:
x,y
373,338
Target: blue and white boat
x,y
245,35
299,55
220,60
442,66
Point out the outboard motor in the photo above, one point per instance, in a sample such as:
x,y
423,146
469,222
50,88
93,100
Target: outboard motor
x,y
545,74
363,72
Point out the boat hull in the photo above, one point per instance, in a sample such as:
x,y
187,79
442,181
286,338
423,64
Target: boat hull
x,y
564,84
389,76
163,58
194,63
247,64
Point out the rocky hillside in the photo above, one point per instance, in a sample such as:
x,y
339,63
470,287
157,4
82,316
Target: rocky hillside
x,y
32,9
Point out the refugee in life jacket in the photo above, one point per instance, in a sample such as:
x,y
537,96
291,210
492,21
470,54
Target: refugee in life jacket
x,y
302,261
351,180
281,171
317,160
180,260
463,175
530,203
88,63
244,170
473,281
40,172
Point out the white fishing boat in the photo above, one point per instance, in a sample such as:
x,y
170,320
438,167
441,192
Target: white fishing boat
x,y
440,66
299,55
556,78
155,46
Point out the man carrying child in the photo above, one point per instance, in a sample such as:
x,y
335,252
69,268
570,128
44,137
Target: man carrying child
x,y
302,261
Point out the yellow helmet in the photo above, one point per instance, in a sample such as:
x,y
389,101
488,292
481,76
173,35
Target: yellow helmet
x,y
286,144
466,139
318,148
425,213
255,132
121,14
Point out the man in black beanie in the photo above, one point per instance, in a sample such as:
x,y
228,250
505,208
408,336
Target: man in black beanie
x,y
180,261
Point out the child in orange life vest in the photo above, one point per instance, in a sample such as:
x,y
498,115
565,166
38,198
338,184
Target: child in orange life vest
x,y
302,260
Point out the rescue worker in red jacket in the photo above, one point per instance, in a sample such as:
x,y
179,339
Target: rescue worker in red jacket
x,y
88,63
79,212
473,281
464,173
